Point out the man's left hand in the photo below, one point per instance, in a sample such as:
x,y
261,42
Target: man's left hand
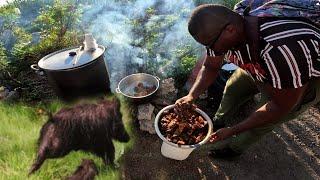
x,y
221,134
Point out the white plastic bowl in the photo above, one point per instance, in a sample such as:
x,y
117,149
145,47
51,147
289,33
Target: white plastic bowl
x,y
175,151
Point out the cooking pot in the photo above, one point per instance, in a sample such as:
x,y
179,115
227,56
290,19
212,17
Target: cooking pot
x,y
75,72
176,151
127,84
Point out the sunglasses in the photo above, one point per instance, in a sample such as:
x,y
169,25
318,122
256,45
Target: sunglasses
x,y
213,41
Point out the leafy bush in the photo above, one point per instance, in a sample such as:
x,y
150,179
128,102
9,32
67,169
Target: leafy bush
x,y
57,26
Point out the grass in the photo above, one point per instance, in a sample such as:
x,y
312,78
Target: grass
x,y
19,131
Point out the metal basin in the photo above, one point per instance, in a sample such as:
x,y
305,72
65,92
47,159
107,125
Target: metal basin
x,y
127,84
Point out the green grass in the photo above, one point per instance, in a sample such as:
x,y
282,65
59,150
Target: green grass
x,y
20,125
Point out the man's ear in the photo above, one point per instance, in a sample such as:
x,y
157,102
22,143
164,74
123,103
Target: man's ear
x,y
231,29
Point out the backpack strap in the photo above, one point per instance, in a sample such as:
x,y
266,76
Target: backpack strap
x,y
253,38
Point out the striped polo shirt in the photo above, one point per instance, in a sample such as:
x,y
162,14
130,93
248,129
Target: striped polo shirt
x,y
289,53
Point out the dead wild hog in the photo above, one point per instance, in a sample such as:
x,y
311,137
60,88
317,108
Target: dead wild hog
x,y
87,127
87,170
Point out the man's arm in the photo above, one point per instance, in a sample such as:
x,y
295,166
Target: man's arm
x,y
206,75
281,103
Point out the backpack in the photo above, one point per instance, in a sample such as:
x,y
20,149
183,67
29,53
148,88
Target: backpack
x,y
309,9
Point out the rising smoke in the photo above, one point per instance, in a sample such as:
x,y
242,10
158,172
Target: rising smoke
x,y
110,21
137,34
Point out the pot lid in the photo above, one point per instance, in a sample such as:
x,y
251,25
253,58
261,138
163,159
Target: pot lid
x,y
69,58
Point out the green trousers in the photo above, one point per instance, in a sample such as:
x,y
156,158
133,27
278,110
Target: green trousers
x,y
241,87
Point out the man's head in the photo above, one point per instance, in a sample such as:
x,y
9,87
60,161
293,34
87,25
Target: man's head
x,y
216,26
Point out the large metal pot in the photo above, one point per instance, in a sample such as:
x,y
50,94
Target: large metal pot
x,y
127,84
75,72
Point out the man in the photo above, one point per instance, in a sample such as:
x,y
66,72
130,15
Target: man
x,y
278,56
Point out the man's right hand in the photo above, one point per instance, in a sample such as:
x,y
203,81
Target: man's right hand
x,y
186,99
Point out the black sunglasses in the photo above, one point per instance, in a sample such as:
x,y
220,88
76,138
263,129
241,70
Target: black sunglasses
x,y
213,41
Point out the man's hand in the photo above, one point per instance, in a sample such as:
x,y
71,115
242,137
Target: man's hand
x,y
221,134
185,100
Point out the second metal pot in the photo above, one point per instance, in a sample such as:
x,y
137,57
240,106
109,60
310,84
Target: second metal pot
x,y
127,84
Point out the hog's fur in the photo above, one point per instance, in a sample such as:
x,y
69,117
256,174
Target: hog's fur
x,y
87,170
87,127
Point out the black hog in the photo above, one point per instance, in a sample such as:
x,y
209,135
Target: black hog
x,y
86,171
87,127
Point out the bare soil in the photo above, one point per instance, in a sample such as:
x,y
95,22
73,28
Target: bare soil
x,y
291,151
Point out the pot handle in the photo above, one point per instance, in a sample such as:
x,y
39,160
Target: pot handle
x,y
157,78
118,90
36,68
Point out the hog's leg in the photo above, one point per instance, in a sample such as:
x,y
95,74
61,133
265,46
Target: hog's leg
x,y
50,147
109,154
39,161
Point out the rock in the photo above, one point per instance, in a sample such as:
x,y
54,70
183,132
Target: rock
x,y
13,95
4,92
146,117
147,126
166,94
145,112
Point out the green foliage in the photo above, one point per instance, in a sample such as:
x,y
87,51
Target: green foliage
x,y
153,28
3,57
187,58
58,19
9,15
57,24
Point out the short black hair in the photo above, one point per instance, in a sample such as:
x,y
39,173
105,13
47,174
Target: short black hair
x,y
207,19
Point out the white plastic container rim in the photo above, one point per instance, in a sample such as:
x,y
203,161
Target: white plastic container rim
x,y
176,151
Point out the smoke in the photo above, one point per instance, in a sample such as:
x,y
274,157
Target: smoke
x,y
139,35
114,24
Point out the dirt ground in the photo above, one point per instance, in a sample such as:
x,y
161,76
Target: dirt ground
x,y
291,151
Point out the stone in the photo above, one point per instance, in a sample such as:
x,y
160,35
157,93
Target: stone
x,y
12,95
147,126
145,112
4,92
166,94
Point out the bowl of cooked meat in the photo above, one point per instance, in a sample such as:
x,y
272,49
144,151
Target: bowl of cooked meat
x,y
182,128
138,87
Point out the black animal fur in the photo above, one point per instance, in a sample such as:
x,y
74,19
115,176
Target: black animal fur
x,y
87,170
87,127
